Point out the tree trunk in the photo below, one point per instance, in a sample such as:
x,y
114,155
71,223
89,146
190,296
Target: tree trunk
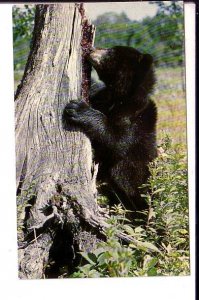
x,y
54,172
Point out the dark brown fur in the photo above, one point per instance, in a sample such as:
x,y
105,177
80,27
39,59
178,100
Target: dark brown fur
x,y
121,121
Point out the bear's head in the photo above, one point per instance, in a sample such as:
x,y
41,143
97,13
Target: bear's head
x,y
123,69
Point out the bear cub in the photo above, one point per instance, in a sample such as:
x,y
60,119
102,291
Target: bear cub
x,y
120,120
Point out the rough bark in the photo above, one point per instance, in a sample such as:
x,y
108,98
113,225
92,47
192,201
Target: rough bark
x,y
54,160
58,215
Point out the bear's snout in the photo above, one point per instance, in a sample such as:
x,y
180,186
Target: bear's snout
x,y
97,55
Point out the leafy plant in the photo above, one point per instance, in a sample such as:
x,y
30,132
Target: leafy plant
x,y
162,246
23,22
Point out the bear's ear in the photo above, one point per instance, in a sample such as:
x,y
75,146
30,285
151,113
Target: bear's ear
x,y
146,61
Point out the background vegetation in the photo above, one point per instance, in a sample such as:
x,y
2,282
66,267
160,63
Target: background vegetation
x,y
163,244
162,36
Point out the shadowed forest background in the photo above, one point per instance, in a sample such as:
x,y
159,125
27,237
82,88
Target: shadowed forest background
x,y
163,244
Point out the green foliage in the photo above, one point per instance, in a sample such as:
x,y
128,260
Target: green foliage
x,y
162,245
170,31
168,7
169,196
23,21
112,29
162,36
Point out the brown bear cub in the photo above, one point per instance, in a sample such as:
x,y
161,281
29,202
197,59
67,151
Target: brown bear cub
x,y
121,120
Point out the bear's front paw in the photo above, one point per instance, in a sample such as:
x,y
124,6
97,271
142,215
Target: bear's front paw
x,y
75,110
